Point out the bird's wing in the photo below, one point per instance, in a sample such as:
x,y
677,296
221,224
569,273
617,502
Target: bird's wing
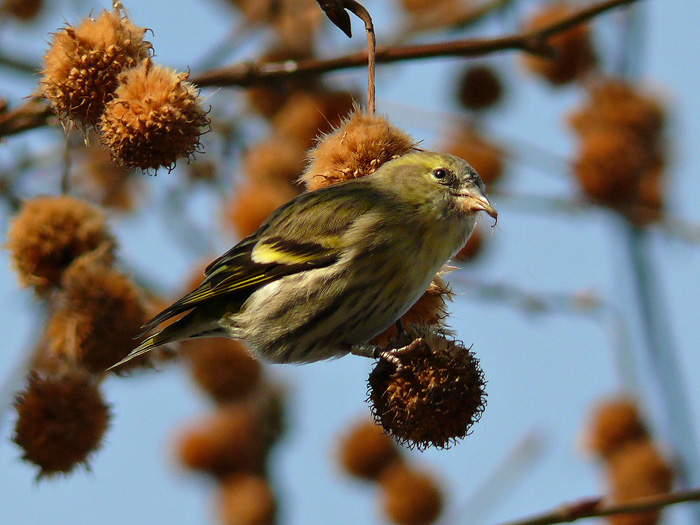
x,y
285,244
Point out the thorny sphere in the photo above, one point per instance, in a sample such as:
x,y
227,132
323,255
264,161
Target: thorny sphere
x,y
365,450
361,144
614,423
154,119
479,87
409,496
24,10
49,233
252,203
246,499
83,65
274,160
435,395
61,421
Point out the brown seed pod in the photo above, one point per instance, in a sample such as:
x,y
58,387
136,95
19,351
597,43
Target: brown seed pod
x,y
97,316
365,450
246,499
613,424
61,421
252,204
486,158
574,52
49,233
357,148
228,441
430,393
223,368
83,65
274,160
409,496
289,16
479,87
636,470
154,119
24,10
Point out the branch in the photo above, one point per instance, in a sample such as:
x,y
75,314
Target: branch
x,y
246,74
32,114
596,507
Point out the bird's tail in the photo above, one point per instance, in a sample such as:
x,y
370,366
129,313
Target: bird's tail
x,y
187,327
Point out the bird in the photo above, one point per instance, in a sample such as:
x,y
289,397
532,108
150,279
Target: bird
x,y
334,267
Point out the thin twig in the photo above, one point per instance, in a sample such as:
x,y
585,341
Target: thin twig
x,y
32,114
596,507
362,13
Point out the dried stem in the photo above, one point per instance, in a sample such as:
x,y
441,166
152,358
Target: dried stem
x,y
596,507
362,13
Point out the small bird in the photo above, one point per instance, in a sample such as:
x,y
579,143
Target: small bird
x,y
333,268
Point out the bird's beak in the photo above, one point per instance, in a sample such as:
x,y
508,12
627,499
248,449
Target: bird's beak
x,y
477,201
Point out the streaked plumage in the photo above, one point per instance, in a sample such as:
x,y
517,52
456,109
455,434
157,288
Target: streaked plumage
x,y
334,267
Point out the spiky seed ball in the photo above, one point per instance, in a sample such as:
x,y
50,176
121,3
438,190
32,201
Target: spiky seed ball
x,y
409,496
361,144
225,442
252,204
614,423
274,160
97,316
436,394
473,248
61,421
574,52
608,165
154,119
246,499
49,233
24,10
487,158
479,87
223,368
309,114
429,310
365,450
289,16
83,65
636,470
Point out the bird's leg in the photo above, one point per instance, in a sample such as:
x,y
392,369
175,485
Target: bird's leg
x,y
400,330
365,350
388,354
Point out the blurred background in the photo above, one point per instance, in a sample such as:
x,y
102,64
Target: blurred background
x,y
585,290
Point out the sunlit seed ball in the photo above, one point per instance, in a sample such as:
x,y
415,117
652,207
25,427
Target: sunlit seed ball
x,y
479,87
613,423
409,496
309,114
154,119
436,394
251,204
487,158
574,51
225,442
361,144
365,450
97,316
24,10
61,421
274,160
246,499
636,470
651,195
49,233
429,310
608,165
473,248
83,65
222,368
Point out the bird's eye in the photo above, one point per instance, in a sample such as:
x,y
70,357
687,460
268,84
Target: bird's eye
x,y
440,173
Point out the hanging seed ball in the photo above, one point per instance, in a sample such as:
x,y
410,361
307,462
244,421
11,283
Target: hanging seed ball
x,y
61,420
289,16
222,368
246,499
225,442
429,310
274,160
98,315
83,64
634,471
252,204
154,119
479,87
473,248
409,496
24,10
365,450
434,395
613,424
487,158
49,233
361,144
574,52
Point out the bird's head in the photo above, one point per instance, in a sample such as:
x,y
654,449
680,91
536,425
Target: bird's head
x,y
444,182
